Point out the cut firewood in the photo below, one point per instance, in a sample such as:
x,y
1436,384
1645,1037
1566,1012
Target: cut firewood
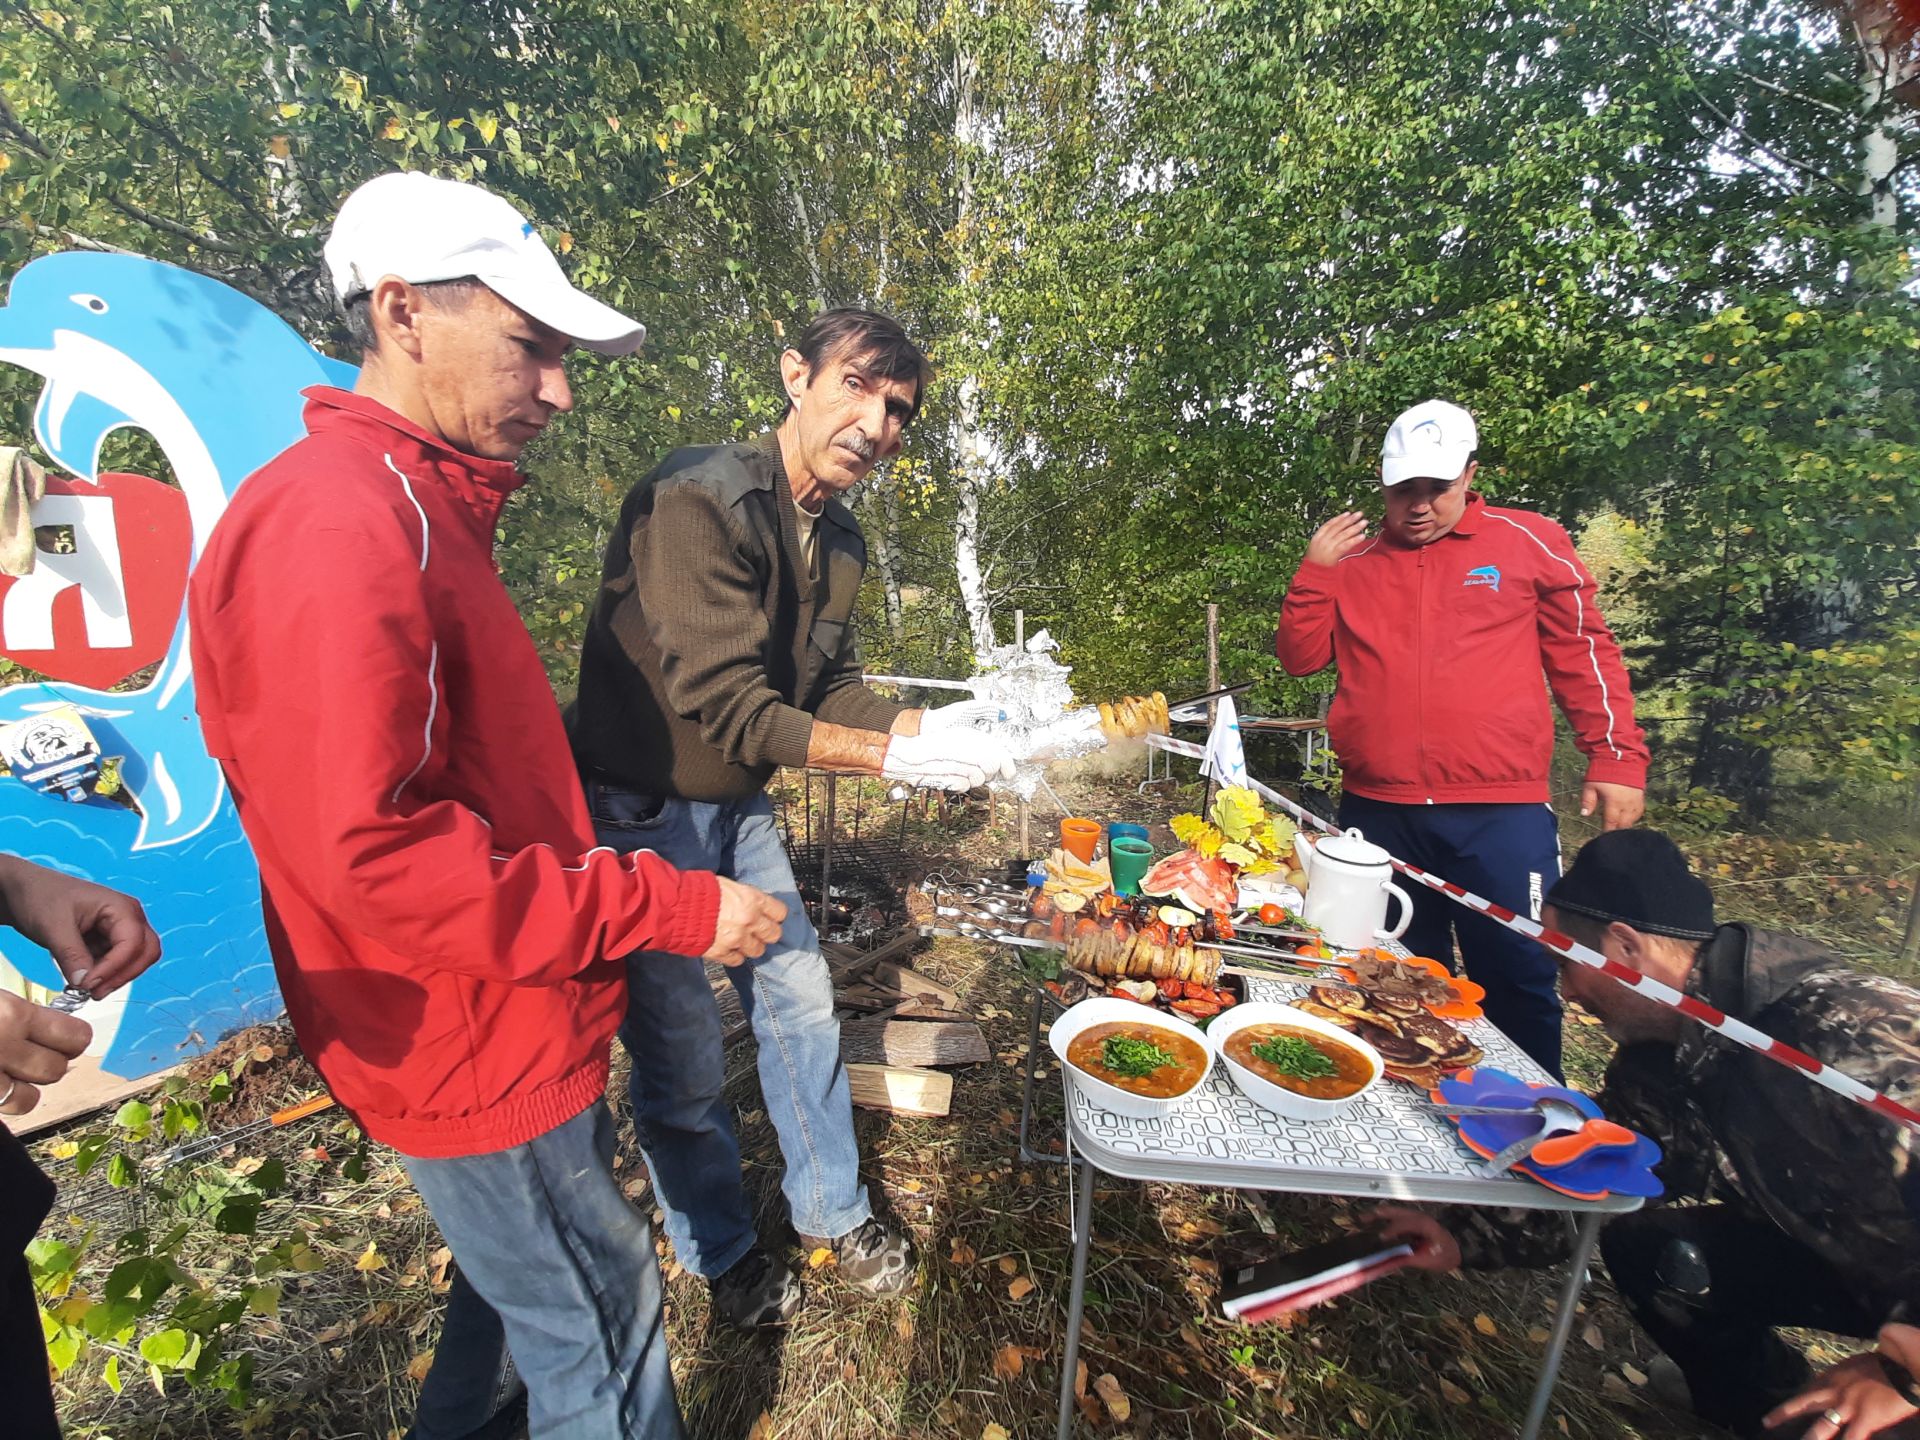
x,y
926,1008
911,982
912,1042
866,996
905,1090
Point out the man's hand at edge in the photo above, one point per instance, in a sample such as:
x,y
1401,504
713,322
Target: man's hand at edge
x,y
749,922
1620,806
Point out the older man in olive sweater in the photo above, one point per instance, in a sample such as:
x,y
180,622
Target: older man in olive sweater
x,y
721,647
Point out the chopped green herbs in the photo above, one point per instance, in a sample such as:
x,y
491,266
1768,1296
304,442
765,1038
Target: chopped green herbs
x,y
1291,1055
1124,1055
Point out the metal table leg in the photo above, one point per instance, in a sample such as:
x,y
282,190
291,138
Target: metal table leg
x,y
1077,1295
1584,1239
1027,1153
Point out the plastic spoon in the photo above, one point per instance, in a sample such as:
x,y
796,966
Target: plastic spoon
x,y
1594,1135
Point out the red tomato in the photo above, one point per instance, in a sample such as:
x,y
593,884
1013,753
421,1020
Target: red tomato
x,y
1272,914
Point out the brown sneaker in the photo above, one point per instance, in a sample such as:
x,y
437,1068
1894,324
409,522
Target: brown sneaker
x,y
878,1259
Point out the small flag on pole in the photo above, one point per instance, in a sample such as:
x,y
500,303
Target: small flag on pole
x,y
1226,758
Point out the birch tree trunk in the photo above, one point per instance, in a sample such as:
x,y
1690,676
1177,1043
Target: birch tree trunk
x,y
972,464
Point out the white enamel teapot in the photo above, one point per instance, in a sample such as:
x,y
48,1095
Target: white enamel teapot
x,y
1349,881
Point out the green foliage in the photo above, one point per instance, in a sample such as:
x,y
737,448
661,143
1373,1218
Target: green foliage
x,y
1178,264
151,1309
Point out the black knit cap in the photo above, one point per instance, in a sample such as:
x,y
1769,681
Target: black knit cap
x,y
1638,877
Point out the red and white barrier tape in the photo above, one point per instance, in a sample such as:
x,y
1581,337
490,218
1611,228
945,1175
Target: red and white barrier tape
x,y
1716,1020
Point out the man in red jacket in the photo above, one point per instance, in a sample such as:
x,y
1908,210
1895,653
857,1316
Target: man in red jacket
x,y
439,915
1443,626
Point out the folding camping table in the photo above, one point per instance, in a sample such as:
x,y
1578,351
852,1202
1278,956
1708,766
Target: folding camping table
x,y
1388,1146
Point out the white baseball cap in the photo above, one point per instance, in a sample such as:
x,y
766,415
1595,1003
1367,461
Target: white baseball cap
x,y
1433,440
421,228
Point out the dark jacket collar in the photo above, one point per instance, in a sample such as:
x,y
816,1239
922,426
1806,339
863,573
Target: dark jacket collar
x,y
1742,970
480,484
836,512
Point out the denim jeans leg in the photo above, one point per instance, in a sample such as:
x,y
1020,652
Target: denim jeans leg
x,y
672,1034
788,995
545,1237
473,1376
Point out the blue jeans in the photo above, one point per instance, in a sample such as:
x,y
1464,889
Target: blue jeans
x,y
672,1031
555,1264
1509,854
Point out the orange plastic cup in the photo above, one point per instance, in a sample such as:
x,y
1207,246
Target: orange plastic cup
x,y
1079,837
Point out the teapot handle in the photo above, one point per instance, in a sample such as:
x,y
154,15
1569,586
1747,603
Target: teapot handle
x,y
1406,912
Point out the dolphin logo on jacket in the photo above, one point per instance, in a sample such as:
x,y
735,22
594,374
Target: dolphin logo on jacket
x,y
1484,575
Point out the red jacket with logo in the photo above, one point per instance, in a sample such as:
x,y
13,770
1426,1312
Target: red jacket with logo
x,y
1442,649
440,920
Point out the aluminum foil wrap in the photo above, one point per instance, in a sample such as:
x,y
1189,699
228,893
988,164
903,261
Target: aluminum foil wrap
x,y
1043,724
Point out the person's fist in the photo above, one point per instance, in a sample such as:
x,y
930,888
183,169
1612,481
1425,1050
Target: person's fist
x,y
1337,539
749,922
98,937
1620,806
36,1046
1434,1247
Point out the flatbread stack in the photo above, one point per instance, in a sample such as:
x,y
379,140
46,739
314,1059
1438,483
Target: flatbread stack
x,y
1418,1047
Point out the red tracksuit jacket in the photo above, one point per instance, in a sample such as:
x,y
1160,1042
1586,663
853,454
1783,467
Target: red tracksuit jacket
x,y
1441,650
440,920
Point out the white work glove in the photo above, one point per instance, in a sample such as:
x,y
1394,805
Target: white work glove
x,y
967,713
959,759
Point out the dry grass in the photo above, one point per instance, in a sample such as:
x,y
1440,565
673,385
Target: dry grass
x,y
1405,1358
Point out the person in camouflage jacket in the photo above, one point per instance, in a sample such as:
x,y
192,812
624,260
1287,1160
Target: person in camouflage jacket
x,y
1785,1204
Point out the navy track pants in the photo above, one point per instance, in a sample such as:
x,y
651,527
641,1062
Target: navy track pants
x,y
1509,854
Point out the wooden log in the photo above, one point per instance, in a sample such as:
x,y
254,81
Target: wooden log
x,y
903,1090
914,985
911,1042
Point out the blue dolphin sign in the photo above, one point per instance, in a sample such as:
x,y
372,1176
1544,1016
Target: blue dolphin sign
x,y
215,378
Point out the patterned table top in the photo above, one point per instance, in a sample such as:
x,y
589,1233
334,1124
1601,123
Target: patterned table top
x,y
1388,1145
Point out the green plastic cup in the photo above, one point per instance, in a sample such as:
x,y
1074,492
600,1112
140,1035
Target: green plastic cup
x,y
1128,856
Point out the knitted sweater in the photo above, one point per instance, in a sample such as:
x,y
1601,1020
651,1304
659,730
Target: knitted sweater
x,y
711,648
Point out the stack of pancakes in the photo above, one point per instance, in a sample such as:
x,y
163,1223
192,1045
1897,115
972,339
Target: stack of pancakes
x,y
1418,1047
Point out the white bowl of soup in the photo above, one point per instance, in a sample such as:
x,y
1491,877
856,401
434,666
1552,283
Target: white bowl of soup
x,y
1128,1058
1293,1063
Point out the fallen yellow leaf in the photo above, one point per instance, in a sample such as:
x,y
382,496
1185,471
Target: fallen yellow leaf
x,y
963,1253
903,1325
371,1259
1107,1387
762,1427
821,1256
1453,1394
1634,1377
418,1366
1009,1265
994,1432
1483,1322
1020,1289
1008,1362
1593,1337
1539,1335
912,1187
